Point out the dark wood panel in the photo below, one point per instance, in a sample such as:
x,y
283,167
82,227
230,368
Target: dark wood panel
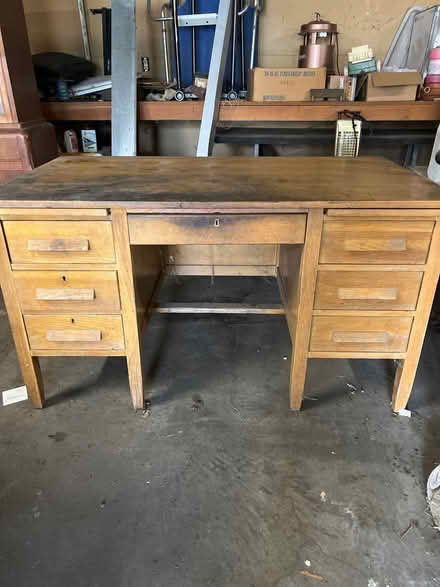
x,y
23,149
19,86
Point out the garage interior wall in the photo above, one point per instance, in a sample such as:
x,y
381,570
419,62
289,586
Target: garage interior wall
x,y
53,25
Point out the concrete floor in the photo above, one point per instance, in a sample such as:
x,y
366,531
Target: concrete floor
x,y
221,485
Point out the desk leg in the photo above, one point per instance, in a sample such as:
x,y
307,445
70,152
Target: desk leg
x,y
30,366
128,303
298,272
139,270
406,372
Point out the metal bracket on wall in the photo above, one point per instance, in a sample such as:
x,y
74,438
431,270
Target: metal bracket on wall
x,y
192,20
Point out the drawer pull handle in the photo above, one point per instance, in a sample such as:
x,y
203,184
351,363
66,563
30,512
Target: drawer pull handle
x,y
380,245
74,335
59,245
65,295
367,293
361,337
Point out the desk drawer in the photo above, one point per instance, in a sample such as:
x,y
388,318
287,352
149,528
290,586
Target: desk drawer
x,y
67,291
59,241
368,290
194,229
360,333
376,241
74,332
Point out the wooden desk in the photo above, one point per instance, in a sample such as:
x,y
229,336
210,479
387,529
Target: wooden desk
x,y
354,244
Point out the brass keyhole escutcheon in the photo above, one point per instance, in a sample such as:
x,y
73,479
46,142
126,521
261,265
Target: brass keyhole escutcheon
x,y
217,222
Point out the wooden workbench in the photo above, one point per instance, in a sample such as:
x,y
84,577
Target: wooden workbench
x,y
243,111
354,244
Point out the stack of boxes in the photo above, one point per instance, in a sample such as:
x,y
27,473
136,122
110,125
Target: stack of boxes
x,y
362,80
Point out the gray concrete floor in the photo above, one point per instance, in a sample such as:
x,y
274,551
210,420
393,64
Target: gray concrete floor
x,y
221,485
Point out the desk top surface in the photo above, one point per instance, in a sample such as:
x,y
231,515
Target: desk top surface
x,y
186,183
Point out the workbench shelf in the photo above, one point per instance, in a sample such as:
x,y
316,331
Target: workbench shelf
x,y
250,111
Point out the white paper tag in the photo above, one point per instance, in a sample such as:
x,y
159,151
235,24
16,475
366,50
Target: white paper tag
x,y
12,396
406,413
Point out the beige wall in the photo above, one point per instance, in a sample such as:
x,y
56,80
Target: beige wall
x,y
54,26
360,22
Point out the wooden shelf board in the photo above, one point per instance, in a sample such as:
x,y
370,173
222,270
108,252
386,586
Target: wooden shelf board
x,y
250,111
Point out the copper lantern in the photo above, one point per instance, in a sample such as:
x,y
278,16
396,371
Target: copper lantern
x,y
320,46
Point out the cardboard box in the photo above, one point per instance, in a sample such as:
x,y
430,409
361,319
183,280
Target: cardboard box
x,y
271,84
343,82
392,86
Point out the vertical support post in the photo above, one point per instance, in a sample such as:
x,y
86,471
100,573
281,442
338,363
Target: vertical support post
x,y
30,366
215,79
406,371
124,87
308,275
128,304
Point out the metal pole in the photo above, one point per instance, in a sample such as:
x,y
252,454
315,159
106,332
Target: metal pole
x,y
84,30
254,37
215,79
242,54
124,86
166,44
194,56
232,94
180,94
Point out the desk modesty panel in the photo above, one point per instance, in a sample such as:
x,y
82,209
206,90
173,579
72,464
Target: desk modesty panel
x,y
353,243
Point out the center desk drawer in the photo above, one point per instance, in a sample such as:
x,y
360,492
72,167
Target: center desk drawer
x,y
376,241
382,334
194,229
59,241
67,291
367,290
74,332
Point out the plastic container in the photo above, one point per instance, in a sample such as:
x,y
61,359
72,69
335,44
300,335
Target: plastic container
x,y
434,164
433,67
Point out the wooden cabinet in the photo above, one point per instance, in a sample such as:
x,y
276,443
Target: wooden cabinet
x,y
26,140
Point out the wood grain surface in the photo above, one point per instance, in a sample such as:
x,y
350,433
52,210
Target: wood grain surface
x,y
74,331
59,241
94,292
362,333
222,182
367,290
